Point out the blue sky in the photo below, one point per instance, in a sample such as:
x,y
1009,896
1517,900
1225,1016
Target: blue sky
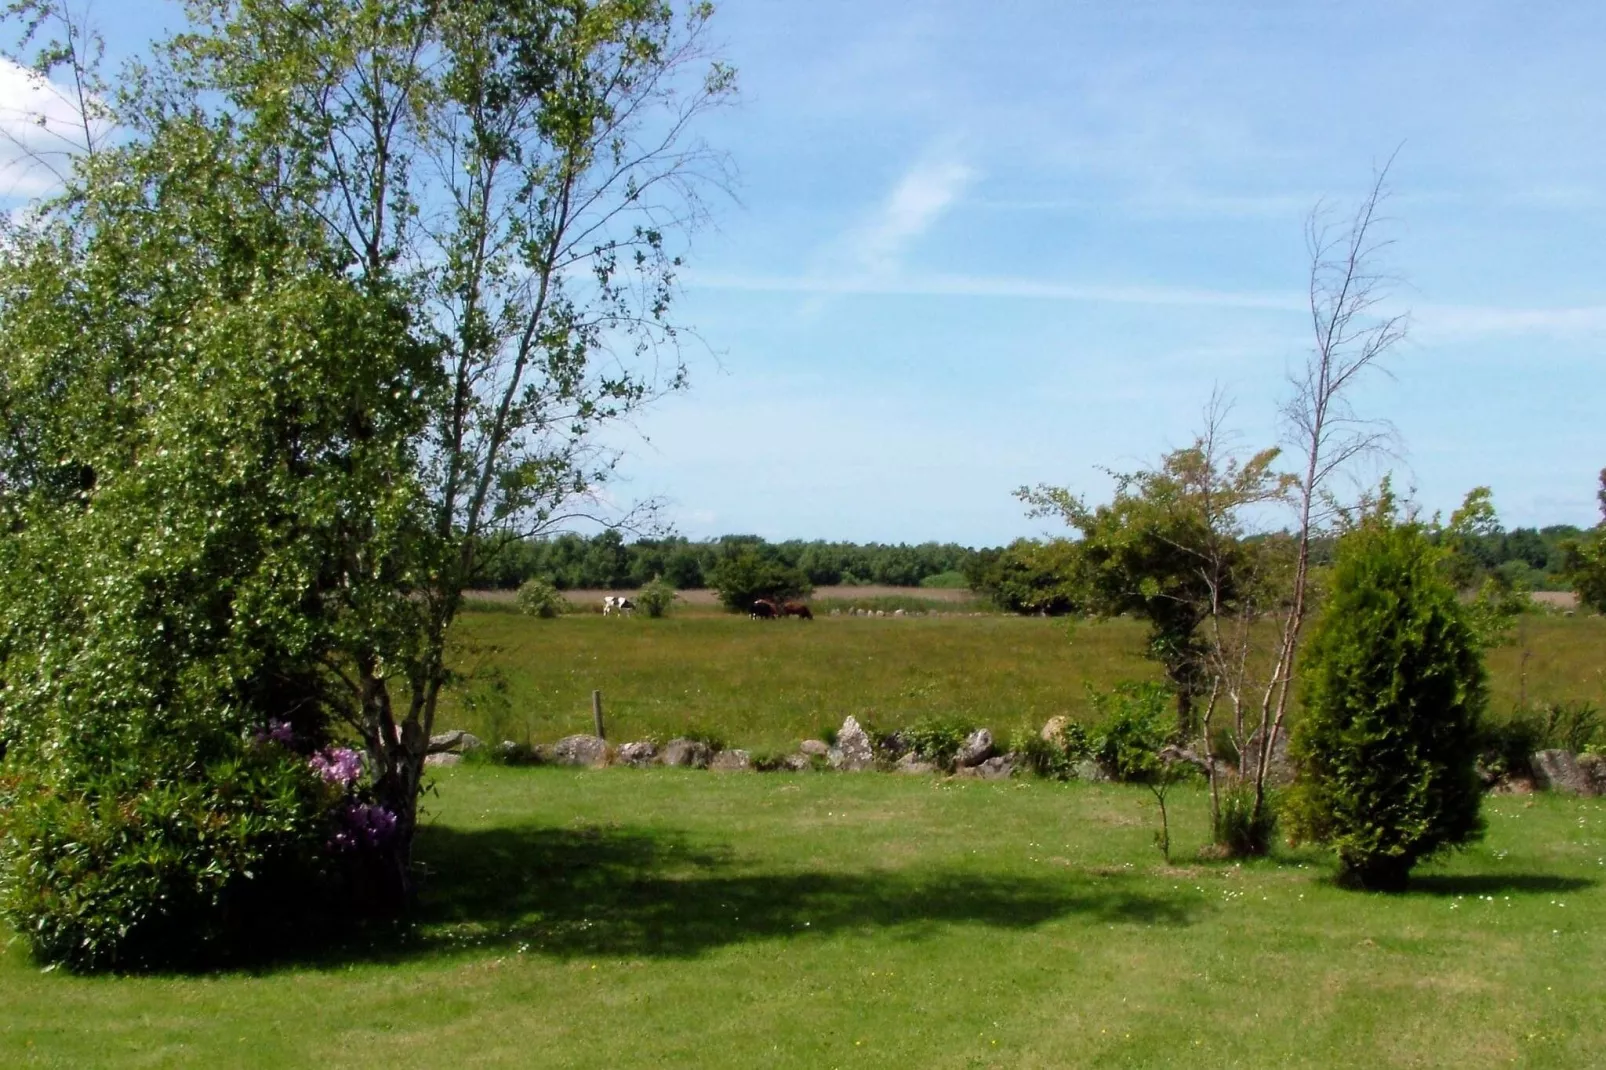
x,y
985,244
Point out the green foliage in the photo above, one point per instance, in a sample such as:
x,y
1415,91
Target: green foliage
x,y
538,598
656,598
1242,829
1054,758
1170,548
748,575
139,869
1393,693
604,561
1584,560
1132,730
1030,577
937,739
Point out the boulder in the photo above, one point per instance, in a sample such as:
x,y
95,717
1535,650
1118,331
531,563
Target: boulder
x,y
911,764
1090,771
815,748
836,612
688,754
639,754
732,761
454,742
795,763
853,751
1001,767
1557,770
1593,766
898,613
1054,730
977,748
443,758
580,750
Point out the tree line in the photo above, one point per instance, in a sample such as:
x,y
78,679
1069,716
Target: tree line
x,y
605,561
1027,576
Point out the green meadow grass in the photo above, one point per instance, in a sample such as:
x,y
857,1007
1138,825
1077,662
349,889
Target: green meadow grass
x,y
618,918
769,684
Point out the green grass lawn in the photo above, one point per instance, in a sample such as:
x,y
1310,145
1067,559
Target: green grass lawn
x,y
618,918
768,684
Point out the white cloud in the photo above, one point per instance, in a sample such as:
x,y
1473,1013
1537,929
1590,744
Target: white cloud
x,y
40,130
921,197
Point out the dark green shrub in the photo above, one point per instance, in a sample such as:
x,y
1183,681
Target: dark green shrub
x,y
1393,689
656,598
134,872
746,575
538,598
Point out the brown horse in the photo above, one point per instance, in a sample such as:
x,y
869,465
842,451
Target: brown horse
x,y
764,609
796,609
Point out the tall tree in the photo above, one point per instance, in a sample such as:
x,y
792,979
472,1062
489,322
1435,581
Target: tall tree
x,y
519,176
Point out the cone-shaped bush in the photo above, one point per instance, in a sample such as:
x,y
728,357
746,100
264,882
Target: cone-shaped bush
x,y
1393,692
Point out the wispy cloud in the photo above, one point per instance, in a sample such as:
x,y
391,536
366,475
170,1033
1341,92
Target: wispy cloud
x,y
928,285
921,197
1461,322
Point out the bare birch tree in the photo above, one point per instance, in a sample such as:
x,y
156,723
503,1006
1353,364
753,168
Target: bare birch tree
x,y
1354,327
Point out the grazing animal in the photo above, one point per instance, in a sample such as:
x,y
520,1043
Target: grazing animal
x,y
796,609
764,609
617,603
625,605
609,604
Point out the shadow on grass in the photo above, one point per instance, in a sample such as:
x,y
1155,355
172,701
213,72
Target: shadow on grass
x,y
571,892
1494,884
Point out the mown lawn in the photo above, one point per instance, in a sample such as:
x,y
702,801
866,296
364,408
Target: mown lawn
x,y
618,918
768,684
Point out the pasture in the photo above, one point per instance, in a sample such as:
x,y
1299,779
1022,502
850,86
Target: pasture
x,y
768,684
617,918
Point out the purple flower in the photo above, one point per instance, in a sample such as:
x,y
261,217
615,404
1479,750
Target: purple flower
x,y
363,825
277,732
337,765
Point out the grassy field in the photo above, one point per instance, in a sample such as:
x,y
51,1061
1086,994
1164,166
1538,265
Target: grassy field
x,y
768,684
619,918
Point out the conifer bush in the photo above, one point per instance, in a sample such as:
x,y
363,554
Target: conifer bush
x,y
1394,690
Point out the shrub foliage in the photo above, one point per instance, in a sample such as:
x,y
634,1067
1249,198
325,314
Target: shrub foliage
x,y
1393,692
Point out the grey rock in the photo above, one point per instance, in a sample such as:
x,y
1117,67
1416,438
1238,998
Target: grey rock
x,y
977,748
853,751
732,761
899,613
795,763
580,750
443,758
455,742
687,754
1279,766
1001,767
912,765
836,612
815,748
1593,766
1091,772
639,754
1557,770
